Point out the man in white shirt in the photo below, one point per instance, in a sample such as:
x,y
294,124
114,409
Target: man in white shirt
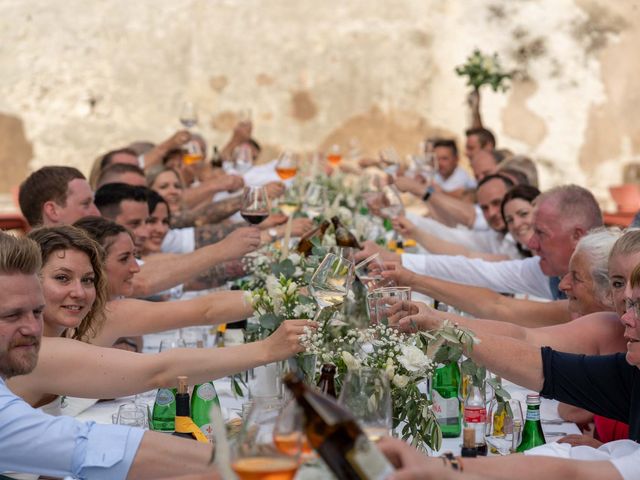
x,y
450,176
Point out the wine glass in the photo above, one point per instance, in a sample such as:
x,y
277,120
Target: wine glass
x,y
390,159
392,205
255,454
334,157
369,272
330,282
255,205
367,394
288,434
287,165
315,200
188,115
242,158
192,153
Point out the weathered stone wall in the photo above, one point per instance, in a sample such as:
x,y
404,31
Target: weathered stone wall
x,y
83,76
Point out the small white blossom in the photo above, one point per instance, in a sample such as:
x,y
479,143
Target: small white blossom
x,y
350,361
400,381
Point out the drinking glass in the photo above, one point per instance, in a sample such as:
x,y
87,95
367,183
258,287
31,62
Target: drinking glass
x,y
334,157
288,434
392,205
382,299
330,282
315,200
133,415
255,454
192,153
367,394
390,159
171,344
287,165
255,205
369,272
242,158
501,434
188,115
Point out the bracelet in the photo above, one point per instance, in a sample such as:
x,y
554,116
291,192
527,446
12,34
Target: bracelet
x,y
454,462
428,193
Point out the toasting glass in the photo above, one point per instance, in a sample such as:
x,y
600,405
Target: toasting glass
x,y
329,284
255,205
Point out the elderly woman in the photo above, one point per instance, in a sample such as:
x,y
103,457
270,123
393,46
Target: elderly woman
x,y
596,332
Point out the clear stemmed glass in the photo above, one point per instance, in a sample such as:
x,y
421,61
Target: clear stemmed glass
x,y
188,115
392,205
315,200
334,157
287,165
367,394
330,282
369,272
255,454
288,434
242,157
255,205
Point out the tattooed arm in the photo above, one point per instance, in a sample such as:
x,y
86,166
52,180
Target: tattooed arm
x,y
208,213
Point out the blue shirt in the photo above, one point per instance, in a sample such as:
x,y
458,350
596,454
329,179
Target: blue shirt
x,y
33,442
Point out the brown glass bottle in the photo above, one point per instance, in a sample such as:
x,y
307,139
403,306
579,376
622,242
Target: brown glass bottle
x,y
305,244
182,408
327,383
333,432
344,238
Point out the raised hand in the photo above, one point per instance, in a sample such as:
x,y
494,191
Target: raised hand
x,y
300,226
275,189
285,341
396,272
404,226
240,242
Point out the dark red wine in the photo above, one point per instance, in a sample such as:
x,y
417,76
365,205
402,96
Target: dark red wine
x,y
254,218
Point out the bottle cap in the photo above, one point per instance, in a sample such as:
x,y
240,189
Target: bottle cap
x,y
328,368
533,399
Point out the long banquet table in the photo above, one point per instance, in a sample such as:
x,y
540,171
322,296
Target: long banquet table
x,y
101,412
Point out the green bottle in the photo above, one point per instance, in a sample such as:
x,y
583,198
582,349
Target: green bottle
x,y
532,435
164,410
203,398
444,396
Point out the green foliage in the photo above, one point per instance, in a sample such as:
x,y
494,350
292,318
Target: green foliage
x,y
481,69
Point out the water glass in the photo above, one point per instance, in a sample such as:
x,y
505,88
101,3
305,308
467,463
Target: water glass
x,y
171,344
369,272
133,415
381,300
367,394
501,434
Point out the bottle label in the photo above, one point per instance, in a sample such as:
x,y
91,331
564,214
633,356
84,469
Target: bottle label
x,y
206,392
475,414
164,397
533,415
446,410
207,429
368,461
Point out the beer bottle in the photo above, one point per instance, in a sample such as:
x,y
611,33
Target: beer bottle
x,y
327,383
164,410
333,432
305,244
203,399
184,426
475,415
532,435
216,158
444,396
344,238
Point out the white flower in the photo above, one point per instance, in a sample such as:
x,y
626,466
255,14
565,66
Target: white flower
x,y
400,381
413,359
350,361
295,258
390,369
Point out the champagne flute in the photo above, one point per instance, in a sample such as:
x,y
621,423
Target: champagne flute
x,y
367,394
255,456
188,115
287,165
330,282
255,205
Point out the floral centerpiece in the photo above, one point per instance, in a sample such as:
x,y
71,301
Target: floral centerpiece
x,y
481,69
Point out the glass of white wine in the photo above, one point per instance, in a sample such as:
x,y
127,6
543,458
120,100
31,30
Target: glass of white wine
x,y
330,282
367,394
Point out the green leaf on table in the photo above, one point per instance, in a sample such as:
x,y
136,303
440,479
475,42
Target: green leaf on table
x,y
285,267
270,321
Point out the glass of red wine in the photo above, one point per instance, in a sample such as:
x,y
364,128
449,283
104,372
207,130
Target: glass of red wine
x,y
255,205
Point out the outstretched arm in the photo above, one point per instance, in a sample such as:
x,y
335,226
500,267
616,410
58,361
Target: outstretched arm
x,y
482,302
131,317
163,271
73,368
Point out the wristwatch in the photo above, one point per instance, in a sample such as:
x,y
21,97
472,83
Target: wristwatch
x,y
273,233
428,193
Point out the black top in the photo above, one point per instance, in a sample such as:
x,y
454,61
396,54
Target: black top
x,y
605,385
